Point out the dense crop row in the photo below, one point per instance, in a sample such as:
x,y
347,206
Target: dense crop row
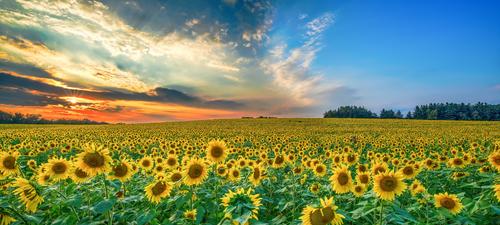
x,y
256,171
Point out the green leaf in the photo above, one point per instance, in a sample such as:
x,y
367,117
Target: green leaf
x,y
104,206
145,217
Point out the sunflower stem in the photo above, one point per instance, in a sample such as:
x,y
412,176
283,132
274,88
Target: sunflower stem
x,y
60,192
110,216
381,218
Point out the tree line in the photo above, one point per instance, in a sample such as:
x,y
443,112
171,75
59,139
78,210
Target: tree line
x,y
432,111
19,118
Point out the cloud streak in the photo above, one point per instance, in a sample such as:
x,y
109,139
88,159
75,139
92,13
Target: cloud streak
x,y
112,56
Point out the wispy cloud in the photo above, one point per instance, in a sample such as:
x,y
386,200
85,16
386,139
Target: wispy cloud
x,y
104,58
291,69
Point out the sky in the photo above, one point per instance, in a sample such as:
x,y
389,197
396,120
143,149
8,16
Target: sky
x,y
150,61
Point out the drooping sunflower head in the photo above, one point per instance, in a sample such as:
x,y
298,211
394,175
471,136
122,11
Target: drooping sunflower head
x,y
157,190
494,159
448,201
195,172
341,180
28,194
321,215
248,203
258,173
121,171
94,159
6,219
388,185
216,151
78,175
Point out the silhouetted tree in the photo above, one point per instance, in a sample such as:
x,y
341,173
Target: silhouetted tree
x,y
349,112
18,118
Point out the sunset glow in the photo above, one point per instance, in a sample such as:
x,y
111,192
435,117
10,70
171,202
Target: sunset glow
x,y
148,61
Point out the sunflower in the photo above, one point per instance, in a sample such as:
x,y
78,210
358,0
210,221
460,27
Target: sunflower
x,y
32,164
279,161
78,175
257,175
234,174
315,187
94,160
121,171
408,171
456,162
171,161
358,190
58,168
216,151
221,170
43,178
28,195
323,215
195,172
190,214
388,185
363,178
146,163
5,219
247,203
320,170
341,180
175,177
379,168
416,187
448,201
494,159
8,165
157,190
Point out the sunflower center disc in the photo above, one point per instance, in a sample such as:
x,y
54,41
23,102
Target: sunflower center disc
x,y
195,171
343,179
388,184
9,162
94,160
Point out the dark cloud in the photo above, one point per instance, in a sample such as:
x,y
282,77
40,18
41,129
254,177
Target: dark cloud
x,y
227,20
17,96
47,94
26,69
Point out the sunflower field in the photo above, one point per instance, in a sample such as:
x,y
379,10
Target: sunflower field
x,y
252,171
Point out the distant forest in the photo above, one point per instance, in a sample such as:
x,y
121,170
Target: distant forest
x,y
433,111
19,118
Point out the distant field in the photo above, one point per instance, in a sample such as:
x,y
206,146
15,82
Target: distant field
x,y
261,171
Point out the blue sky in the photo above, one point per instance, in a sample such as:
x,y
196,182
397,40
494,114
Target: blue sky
x,y
402,53
144,61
